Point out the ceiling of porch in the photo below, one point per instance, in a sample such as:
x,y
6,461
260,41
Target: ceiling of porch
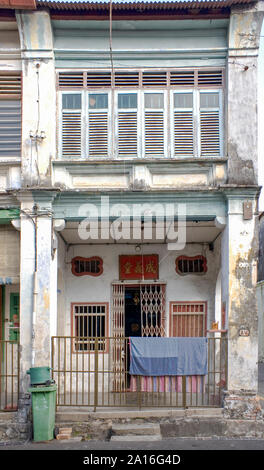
x,y
196,232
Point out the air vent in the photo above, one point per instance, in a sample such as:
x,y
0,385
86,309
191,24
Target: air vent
x,y
182,78
127,79
210,78
154,79
10,86
71,80
99,79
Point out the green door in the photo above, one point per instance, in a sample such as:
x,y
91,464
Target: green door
x,y
14,317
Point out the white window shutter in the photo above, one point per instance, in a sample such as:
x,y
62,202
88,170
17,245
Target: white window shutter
x,y
209,124
71,125
127,133
183,125
71,134
154,105
98,134
154,133
127,124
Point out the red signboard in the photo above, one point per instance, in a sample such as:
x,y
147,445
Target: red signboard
x,y
138,267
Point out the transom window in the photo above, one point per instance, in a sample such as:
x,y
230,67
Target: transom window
x,y
141,114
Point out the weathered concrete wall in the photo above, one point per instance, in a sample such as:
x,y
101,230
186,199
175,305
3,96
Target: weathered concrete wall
x,y
242,129
242,305
38,96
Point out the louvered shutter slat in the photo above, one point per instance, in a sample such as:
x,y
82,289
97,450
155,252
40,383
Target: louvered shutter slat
x,y
99,80
10,85
127,133
71,80
10,128
71,134
210,141
182,79
154,133
210,78
183,133
98,134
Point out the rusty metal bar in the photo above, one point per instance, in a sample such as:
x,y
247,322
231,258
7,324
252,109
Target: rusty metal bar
x,y
98,376
9,375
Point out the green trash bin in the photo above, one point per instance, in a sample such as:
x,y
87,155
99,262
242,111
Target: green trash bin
x,y
43,410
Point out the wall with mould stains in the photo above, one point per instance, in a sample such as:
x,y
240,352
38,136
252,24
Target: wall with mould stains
x,y
239,275
242,94
39,125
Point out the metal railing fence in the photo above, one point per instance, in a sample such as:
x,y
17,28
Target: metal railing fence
x,y
94,372
9,375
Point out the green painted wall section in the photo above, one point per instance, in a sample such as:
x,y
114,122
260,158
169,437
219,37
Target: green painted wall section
x,y
157,43
6,215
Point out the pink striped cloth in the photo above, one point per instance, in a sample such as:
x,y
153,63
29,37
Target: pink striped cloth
x,y
194,383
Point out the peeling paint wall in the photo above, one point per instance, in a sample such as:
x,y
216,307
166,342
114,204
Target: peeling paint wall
x,y
239,266
38,71
242,142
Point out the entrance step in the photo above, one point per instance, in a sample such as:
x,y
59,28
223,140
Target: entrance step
x,y
136,432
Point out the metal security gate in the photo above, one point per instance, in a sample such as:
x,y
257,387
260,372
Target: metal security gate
x,y
97,375
9,375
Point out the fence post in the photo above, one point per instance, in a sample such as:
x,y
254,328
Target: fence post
x,y
184,391
95,374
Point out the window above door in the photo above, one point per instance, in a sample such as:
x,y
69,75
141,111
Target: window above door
x,y
141,114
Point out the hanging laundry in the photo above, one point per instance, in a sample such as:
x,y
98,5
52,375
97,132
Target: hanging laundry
x,y
168,356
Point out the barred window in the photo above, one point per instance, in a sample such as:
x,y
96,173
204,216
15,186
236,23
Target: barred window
x,y
188,319
90,326
92,266
191,265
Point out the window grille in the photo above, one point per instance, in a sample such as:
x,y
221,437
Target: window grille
x,y
90,322
188,319
92,266
191,265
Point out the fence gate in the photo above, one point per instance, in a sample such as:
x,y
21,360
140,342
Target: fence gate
x,y
9,375
97,375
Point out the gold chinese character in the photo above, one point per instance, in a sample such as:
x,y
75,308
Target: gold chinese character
x,y
127,267
138,268
150,268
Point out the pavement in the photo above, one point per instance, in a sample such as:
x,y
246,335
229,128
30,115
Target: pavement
x,y
204,444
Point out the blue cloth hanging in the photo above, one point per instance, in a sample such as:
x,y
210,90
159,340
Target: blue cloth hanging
x,y
168,356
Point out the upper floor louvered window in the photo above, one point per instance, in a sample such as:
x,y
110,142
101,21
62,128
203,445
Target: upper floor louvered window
x,y
10,115
141,113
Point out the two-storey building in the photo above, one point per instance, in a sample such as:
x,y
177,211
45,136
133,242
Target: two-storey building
x,y
129,195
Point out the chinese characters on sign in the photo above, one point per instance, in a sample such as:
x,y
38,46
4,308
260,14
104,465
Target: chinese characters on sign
x,y
138,267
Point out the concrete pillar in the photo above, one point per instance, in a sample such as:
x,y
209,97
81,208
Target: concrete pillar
x,y
239,276
39,96
38,283
242,75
